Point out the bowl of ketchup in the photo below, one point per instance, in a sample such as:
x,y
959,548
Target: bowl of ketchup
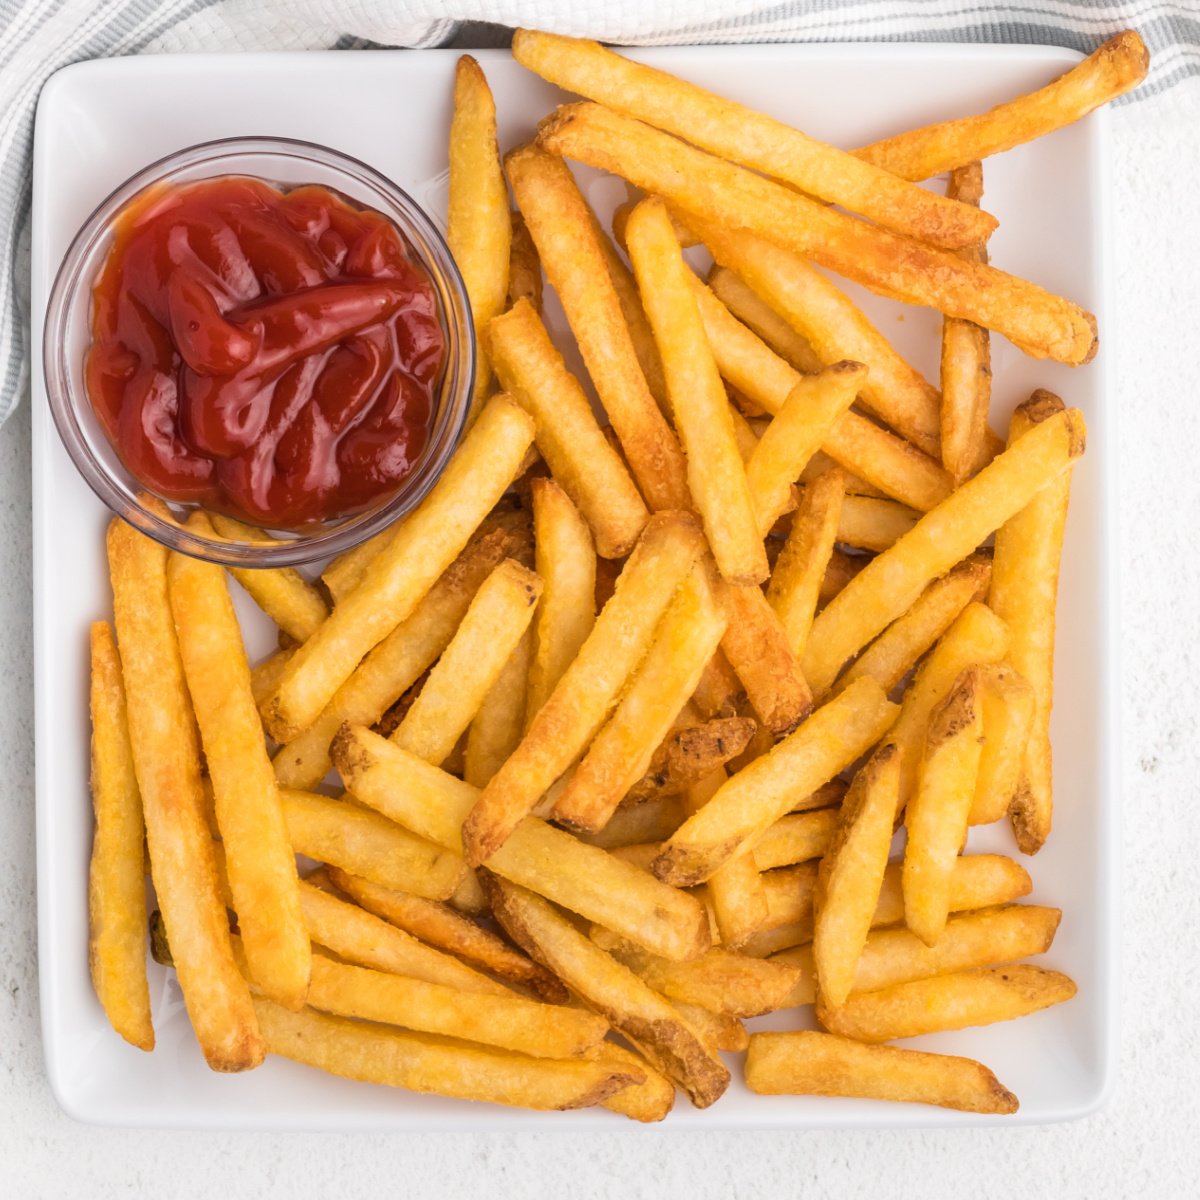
x,y
265,329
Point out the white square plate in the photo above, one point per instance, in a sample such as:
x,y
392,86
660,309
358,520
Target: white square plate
x,y
100,122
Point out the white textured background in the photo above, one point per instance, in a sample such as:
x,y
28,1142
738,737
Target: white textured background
x,y
1145,1144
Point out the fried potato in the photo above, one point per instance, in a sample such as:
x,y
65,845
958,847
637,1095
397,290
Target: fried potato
x,y
166,761
936,816
715,473
889,585
796,838
566,562
589,688
745,136
265,676
497,727
403,573
612,990
343,574
364,843
258,856
478,224
752,310
524,266
690,753
1024,594
896,650
719,692
116,875
869,524
821,462
796,580
427,1063
979,996
811,1063
1113,69
749,803
790,893
718,1030
1009,704
650,820
568,436
569,242
710,189
649,1101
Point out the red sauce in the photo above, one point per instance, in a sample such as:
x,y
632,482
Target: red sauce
x,y
269,355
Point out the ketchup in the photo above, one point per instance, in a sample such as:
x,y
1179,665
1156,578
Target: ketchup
x,y
271,355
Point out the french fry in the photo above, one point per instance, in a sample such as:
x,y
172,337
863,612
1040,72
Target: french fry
x,y
640,856
569,243
718,1030
757,647
478,223
1024,593
889,585
749,803
566,562
795,435
790,893
396,663
588,689
524,266
497,727
896,650
811,1063
936,816
854,486
281,592
265,676
690,753
966,361
568,436
650,820
719,692
802,564
842,568
362,842
752,310
166,760
457,685
979,996
537,856
116,875
797,837
649,1101
343,574
856,443
1113,69
258,857
715,473
438,925
869,524
356,936
1009,704
401,575
374,1053
620,220
612,990
745,136
621,752
708,188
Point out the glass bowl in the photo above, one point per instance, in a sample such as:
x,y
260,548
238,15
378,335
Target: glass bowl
x,y
287,164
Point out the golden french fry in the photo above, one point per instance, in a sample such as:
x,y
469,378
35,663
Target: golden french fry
x,y
537,856
343,574
796,838
569,242
711,189
716,475
566,562
648,1101
621,752
612,990
478,224
427,1063
281,592
568,436
364,843
869,524
795,434
854,486
752,310
790,893
650,820
749,803
401,575
889,585
620,219
166,760
588,689
690,753
896,650
116,875
979,996
498,725
265,676
856,443
719,693
811,1063
757,647
524,266
259,860
936,816
1113,69
438,925
745,136
718,1030
1009,705
1024,594
802,564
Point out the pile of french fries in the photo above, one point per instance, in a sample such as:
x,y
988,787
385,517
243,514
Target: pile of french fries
x,y
623,718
